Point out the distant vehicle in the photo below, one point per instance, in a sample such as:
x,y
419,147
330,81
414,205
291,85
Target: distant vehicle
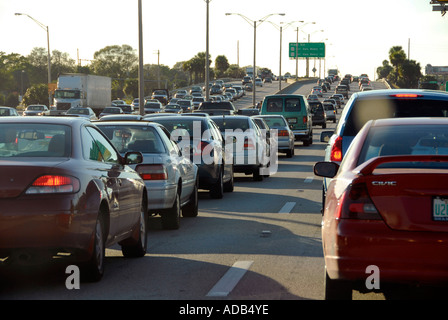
x,y
36,110
171,179
153,107
217,108
127,108
186,105
207,151
386,203
82,90
180,94
296,110
318,114
216,89
82,112
285,136
8,111
197,102
342,89
249,146
162,95
173,108
111,110
258,82
246,80
330,111
79,195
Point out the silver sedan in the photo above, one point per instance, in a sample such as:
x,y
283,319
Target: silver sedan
x,y
170,178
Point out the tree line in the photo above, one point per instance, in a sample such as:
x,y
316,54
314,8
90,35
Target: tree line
x,y
400,71
27,76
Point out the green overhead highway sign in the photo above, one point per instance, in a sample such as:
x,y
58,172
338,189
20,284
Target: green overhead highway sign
x,y
306,50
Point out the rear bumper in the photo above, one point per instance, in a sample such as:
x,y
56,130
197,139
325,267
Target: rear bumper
x,y
401,256
45,227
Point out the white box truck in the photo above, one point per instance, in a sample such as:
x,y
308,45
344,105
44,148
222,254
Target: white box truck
x,y
82,90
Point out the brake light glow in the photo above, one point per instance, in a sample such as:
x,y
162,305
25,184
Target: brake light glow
x,y
283,133
54,184
406,95
152,172
336,150
248,144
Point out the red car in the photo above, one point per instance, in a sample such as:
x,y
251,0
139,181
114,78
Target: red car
x,y
387,207
66,192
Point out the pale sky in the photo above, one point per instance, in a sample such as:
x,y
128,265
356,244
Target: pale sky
x,y
358,33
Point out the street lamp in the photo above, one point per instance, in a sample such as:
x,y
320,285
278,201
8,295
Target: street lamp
x,y
280,62
254,23
48,45
207,64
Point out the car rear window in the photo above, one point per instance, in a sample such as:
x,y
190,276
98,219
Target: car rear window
x,y
34,140
364,110
406,140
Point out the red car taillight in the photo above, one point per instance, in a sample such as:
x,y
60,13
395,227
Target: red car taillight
x,y
54,184
336,150
355,203
152,171
249,144
283,133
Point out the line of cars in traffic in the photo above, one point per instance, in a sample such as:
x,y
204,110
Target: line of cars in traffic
x,y
72,186
384,204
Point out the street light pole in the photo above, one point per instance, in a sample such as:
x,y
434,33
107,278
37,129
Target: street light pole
x,y
141,81
254,23
207,66
48,47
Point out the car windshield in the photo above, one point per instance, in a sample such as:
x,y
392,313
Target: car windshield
x,y
406,140
372,109
78,111
34,140
133,138
67,94
35,108
111,110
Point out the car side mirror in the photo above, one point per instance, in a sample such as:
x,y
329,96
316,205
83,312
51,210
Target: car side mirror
x,y
326,169
325,136
133,157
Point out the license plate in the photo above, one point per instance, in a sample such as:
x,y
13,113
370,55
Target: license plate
x,y
440,209
292,120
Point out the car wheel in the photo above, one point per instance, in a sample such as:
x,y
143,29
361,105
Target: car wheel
x,y
217,190
229,185
138,249
191,209
257,176
171,216
93,270
337,289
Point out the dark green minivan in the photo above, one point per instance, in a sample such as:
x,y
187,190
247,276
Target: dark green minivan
x,y
296,110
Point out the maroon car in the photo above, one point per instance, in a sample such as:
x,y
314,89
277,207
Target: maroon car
x,y
65,191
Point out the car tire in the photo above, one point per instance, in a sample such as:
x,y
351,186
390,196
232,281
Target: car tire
x,y
138,249
337,289
171,216
217,190
257,176
191,209
229,186
93,270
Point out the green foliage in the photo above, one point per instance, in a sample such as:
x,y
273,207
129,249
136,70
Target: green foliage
x,y
401,71
37,94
